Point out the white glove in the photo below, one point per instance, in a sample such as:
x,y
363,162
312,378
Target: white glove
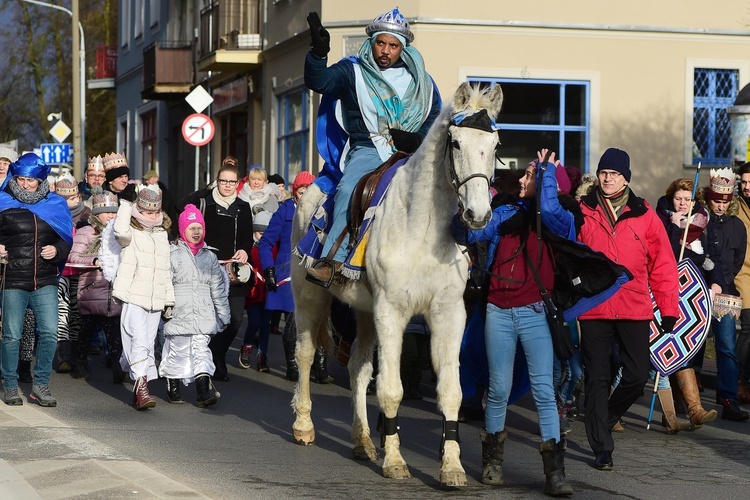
x,y
697,247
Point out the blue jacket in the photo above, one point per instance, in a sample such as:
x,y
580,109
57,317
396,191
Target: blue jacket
x,y
279,231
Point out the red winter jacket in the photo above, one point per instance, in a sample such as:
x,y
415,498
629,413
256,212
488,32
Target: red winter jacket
x,y
639,242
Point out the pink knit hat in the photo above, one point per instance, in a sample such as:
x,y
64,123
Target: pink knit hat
x,y
190,215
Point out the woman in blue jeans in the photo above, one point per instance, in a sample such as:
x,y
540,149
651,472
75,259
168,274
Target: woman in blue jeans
x,y
516,312
36,233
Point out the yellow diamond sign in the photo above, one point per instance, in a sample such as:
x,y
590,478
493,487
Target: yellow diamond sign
x,y
60,131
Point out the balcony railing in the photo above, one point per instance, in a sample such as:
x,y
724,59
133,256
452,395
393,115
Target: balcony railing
x,y
230,25
106,62
167,69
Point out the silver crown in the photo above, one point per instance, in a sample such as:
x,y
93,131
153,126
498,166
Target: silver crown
x,y
392,21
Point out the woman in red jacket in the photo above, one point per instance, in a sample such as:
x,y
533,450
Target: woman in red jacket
x,y
628,231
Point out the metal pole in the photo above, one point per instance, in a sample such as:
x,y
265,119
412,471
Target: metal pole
x,y
79,79
197,158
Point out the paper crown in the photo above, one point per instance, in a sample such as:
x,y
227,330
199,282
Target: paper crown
x,y
9,153
722,184
66,185
393,22
114,160
103,201
149,198
95,164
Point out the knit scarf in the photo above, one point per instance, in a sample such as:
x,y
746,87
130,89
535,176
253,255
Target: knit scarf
x,y
390,108
146,221
76,210
224,201
28,197
612,204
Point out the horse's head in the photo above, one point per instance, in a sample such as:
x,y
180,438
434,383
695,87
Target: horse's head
x,y
471,145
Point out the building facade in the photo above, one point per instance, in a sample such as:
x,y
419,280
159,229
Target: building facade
x,y
654,79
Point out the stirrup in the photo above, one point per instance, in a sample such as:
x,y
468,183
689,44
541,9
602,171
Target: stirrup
x,y
321,263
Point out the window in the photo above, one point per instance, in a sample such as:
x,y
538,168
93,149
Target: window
x,y
122,136
138,28
148,141
125,23
153,14
713,91
536,114
234,138
293,133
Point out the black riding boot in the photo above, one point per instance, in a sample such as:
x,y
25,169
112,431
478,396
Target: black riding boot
x,y
174,394
319,372
556,484
292,370
82,370
206,392
493,449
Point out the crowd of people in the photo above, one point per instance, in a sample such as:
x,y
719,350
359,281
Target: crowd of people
x,y
163,285
169,283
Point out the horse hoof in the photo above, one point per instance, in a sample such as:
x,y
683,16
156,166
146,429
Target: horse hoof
x,y
362,452
305,438
453,479
396,472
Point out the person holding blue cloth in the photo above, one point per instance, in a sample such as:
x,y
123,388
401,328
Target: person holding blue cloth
x,y
36,234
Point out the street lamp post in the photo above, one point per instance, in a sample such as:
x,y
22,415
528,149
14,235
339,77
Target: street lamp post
x,y
79,86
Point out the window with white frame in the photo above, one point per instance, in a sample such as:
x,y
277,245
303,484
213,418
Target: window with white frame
x,y
713,91
124,23
153,14
138,27
552,114
293,133
148,141
122,136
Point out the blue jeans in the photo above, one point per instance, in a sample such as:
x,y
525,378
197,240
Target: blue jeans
x,y
503,329
727,367
258,320
43,303
360,161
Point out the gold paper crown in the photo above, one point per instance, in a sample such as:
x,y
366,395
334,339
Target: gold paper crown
x,y
96,164
113,160
66,185
722,181
104,202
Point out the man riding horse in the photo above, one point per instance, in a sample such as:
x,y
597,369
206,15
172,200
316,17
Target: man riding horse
x,y
387,103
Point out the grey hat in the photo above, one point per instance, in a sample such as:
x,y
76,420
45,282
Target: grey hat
x,y
261,221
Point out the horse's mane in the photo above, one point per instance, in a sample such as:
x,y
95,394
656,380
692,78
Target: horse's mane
x,y
477,99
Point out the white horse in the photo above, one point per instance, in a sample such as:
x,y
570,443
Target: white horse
x,y
414,266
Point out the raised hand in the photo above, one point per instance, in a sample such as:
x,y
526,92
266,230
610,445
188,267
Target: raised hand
x,y
320,43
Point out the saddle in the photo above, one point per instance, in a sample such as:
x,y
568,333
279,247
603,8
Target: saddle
x,y
364,192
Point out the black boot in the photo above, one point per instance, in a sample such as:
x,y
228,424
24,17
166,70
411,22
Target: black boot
x,y
292,370
64,356
24,372
174,394
118,374
319,372
82,370
556,484
205,389
493,449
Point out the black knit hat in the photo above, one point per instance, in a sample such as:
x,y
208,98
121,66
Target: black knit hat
x,y
617,160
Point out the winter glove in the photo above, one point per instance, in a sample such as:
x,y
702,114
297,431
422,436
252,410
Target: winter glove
x,y
129,194
667,323
270,274
321,39
408,142
166,314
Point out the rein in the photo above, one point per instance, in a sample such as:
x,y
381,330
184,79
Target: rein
x,y
455,182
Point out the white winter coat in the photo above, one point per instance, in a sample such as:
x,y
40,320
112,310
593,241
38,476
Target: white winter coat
x,y
199,292
144,276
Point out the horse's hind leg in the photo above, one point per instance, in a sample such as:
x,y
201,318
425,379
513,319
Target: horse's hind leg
x,y
310,314
390,325
360,372
447,321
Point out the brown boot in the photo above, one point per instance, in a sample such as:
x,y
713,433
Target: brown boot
x,y
322,271
143,400
670,420
689,386
743,394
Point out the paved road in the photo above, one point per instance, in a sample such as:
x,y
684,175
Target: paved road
x,y
95,445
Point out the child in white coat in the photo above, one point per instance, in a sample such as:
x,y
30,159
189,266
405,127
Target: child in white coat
x,y
143,284
201,309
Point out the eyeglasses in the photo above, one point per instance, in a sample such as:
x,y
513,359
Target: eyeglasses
x,y
226,182
609,173
97,176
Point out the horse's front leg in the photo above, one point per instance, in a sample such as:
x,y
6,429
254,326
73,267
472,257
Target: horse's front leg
x,y
360,372
308,320
447,321
390,325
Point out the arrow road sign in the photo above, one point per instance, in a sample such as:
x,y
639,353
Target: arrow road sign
x,y
55,154
198,129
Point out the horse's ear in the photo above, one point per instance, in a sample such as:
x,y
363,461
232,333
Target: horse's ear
x,y
496,98
461,97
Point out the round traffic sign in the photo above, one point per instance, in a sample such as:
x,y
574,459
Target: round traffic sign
x,y
198,129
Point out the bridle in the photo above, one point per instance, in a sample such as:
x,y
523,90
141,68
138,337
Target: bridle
x,y
479,120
